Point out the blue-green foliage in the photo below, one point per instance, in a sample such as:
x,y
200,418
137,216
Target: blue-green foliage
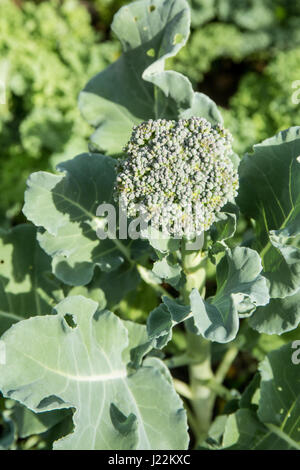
x,y
263,36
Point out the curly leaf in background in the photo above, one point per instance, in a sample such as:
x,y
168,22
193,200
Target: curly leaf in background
x,y
46,63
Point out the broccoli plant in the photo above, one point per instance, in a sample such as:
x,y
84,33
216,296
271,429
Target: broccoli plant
x,y
153,299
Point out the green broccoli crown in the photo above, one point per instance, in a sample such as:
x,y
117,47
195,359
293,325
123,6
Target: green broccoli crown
x,y
180,172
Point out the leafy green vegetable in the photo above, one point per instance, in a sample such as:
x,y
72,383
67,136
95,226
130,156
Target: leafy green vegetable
x,y
273,171
84,367
101,331
240,289
110,101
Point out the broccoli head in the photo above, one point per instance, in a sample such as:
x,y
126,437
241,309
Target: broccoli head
x,y
177,173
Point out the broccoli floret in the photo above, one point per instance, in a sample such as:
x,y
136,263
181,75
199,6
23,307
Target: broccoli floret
x,y
180,173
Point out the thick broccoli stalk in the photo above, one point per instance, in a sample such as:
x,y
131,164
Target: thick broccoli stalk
x,y
178,173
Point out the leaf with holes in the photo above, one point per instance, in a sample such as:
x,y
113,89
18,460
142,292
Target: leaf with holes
x,y
77,359
273,421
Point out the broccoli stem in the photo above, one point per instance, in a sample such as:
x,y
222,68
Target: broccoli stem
x,y
202,397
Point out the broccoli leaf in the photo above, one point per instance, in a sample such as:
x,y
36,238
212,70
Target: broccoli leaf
x,y
83,366
162,319
250,15
117,283
160,323
269,193
27,285
274,423
65,206
279,316
136,87
241,288
167,270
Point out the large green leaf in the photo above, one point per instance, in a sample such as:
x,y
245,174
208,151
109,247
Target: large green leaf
x,y
65,206
136,87
279,316
81,364
27,285
270,194
270,410
279,404
282,265
241,288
